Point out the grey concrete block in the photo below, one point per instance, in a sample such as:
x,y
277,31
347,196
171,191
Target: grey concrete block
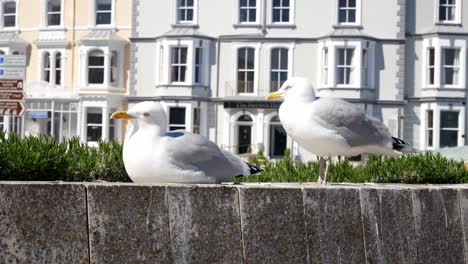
x,y
205,224
334,225
463,196
273,225
43,223
388,224
128,224
438,226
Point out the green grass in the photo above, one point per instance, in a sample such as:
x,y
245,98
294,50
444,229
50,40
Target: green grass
x,y
420,168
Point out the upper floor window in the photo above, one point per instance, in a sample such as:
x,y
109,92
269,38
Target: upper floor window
x,y
176,118
58,68
178,64
347,11
96,67
281,11
113,68
46,67
365,68
245,70
447,10
344,66
451,66
185,11
54,9
247,11
52,67
9,14
198,64
279,68
325,66
430,66
103,12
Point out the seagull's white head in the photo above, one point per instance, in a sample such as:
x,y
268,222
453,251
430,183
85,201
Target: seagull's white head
x,y
298,88
144,114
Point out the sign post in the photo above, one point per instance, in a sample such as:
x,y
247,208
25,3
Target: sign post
x,y
12,74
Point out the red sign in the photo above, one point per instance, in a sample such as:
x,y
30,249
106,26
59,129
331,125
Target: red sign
x,y
11,85
5,95
14,108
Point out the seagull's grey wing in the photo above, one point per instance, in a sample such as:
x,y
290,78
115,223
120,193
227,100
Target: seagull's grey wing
x,y
194,152
349,121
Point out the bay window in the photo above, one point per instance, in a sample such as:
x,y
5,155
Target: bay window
x,y
198,64
245,70
51,67
442,125
430,128
278,68
448,128
451,66
431,66
46,67
58,68
176,118
344,66
93,124
96,67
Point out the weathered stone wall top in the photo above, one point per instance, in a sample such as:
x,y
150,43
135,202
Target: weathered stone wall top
x,y
250,223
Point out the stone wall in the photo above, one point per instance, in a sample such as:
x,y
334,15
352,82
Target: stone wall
x,y
277,223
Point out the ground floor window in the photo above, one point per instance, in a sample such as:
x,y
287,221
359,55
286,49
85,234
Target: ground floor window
x,y
176,118
443,126
93,124
16,125
449,128
278,138
244,134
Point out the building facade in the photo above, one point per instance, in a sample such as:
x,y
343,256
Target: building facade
x,y
211,63
78,54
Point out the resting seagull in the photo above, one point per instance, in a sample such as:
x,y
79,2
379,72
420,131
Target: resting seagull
x,y
331,126
152,155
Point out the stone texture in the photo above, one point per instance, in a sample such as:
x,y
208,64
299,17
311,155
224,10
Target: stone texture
x,y
273,225
334,225
128,224
205,224
43,223
388,224
438,226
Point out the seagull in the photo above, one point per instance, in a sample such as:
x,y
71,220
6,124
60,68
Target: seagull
x,y
331,126
153,155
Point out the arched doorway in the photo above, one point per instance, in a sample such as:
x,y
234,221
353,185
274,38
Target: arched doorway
x,y
278,138
244,134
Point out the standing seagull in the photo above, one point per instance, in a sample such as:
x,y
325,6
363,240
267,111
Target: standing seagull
x,y
331,126
152,155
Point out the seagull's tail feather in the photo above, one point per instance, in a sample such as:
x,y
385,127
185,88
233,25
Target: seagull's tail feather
x,y
254,169
402,146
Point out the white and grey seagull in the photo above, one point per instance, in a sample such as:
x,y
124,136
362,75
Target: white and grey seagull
x,y
153,155
330,126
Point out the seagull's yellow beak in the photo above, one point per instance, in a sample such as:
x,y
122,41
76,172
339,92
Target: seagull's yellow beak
x,y
274,95
121,115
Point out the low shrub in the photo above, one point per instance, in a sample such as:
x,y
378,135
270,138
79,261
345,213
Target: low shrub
x,y
42,158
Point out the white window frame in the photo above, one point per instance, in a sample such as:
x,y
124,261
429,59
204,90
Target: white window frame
x,y
291,13
439,44
107,50
93,15
429,130
437,108
358,14
237,8
278,70
101,125
254,70
236,47
3,27
53,54
458,13
347,65
177,126
194,20
198,65
431,68
179,64
45,17
97,67
455,67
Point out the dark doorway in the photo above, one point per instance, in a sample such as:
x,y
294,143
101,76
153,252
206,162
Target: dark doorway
x,y
245,139
278,140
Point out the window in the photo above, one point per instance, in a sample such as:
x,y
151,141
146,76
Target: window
x,y
365,68
344,66
103,12
245,70
54,12
185,10
431,66
248,11
178,64
96,67
447,10
448,128
46,67
9,14
198,64
58,68
347,11
196,120
451,66
278,138
430,128
279,68
113,69
93,124
325,66
176,118
281,9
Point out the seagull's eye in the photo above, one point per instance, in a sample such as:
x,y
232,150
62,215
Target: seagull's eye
x,y
146,114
